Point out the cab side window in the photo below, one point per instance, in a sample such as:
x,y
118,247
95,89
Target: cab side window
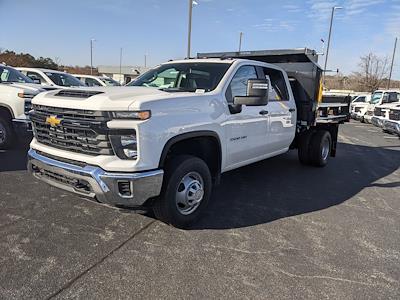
x,y
91,82
278,90
238,85
34,75
360,99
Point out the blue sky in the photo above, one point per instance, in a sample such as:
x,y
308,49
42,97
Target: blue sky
x,y
159,28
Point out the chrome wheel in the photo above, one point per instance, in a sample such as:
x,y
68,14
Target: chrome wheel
x,y
2,133
190,193
325,149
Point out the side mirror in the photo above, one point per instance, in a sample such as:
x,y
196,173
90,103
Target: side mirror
x,y
257,93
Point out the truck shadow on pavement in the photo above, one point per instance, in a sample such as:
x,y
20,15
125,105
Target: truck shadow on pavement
x,y
14,159
281,187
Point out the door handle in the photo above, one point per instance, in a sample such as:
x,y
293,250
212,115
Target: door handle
x,y
264,112
292,109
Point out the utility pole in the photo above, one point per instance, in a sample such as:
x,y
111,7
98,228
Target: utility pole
x,y
240,41
120,65
391,65
191,4
189,28
145,60
329,42
91,56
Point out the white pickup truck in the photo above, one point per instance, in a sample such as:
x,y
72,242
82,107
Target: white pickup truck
x,y
16,93
165,140
390,99
379,97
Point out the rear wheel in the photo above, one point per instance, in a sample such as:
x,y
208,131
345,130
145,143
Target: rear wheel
x,y
304,147
320,148
7,136
186,191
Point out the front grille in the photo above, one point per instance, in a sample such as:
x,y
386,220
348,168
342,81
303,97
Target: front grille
x,y
394,114
378,112
357,109
370,113
80,131
77,184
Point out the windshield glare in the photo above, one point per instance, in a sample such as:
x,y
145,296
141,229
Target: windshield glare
x,y
376,97
64,79
11,75
187,77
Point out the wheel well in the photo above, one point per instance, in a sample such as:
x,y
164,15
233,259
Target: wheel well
x,y
207,148
5,113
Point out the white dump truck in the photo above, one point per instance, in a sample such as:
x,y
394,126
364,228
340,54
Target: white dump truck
x,y
164,141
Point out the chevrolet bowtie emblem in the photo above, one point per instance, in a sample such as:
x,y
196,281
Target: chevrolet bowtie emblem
x,y
53,121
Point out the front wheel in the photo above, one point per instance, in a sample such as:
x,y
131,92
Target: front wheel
x,y
186,191
7,136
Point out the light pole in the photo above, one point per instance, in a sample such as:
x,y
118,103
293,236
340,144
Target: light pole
x,y
240,40
391,65
91,56
120,66
191,4
329,41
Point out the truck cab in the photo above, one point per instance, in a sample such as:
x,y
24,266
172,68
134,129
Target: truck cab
x,y
53,78
165,139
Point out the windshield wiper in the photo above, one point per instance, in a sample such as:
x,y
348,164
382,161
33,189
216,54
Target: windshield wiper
x,y
177,89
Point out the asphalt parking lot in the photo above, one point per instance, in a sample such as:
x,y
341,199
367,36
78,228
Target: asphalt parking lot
x,y
275,229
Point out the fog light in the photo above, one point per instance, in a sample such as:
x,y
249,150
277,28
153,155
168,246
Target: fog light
x,y
130,153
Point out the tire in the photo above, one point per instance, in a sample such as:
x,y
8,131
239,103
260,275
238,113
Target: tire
x,y
320,148
362,120
304,147
185,176
7,136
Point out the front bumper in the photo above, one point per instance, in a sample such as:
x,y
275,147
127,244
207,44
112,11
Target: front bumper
x,y
377,121
367,118
392,126
93,182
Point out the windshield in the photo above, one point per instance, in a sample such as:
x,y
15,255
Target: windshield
x,y
11,75
376,97
64,79
109,81
187,77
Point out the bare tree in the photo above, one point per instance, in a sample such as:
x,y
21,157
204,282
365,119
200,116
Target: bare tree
x,y
372,73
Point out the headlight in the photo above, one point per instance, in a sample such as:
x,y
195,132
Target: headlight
x,y
132,115
25,95
125,146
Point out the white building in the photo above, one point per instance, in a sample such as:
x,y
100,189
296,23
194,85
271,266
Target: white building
x,y
123,75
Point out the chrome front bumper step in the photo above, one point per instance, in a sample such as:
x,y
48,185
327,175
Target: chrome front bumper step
x,y
94,182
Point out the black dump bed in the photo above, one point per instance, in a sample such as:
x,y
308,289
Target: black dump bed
x,y
305,76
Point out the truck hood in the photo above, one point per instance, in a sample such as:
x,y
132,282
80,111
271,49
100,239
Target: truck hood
x,y
389,105
107,98
32,88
